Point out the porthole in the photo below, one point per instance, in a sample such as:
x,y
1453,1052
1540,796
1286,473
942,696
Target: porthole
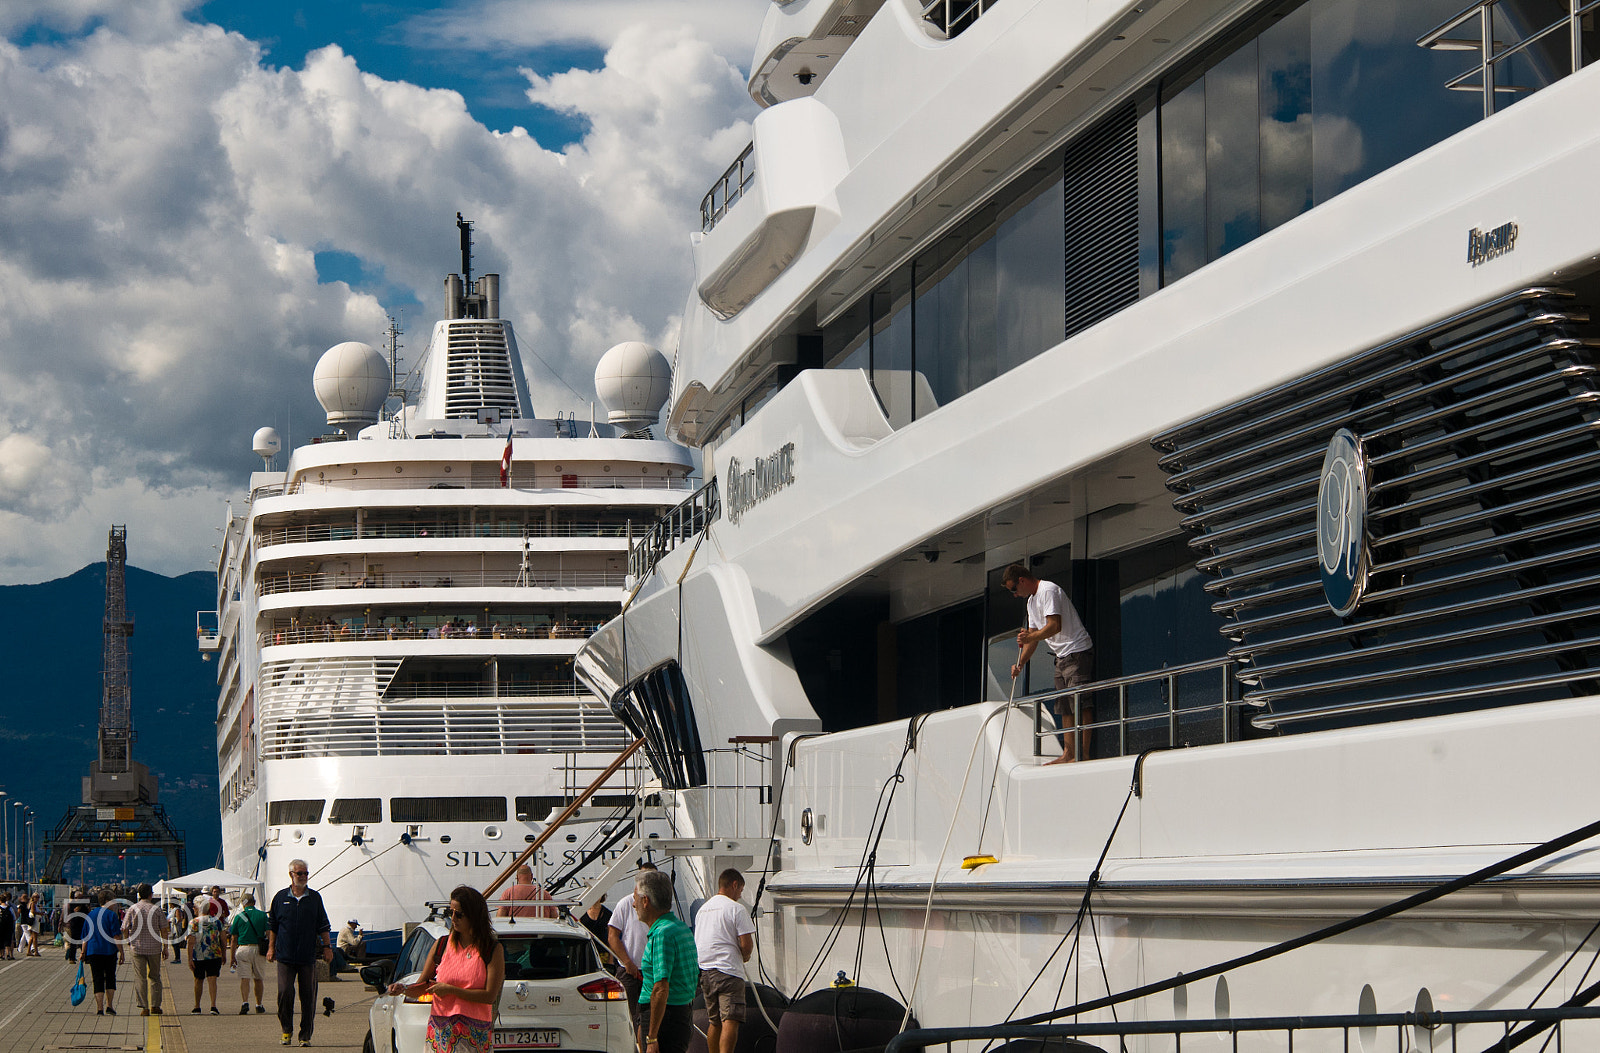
x,y
492,833
298,835
1367,1005
447,469
311,840
355,471
398,469
1223,1004
605,468
444,839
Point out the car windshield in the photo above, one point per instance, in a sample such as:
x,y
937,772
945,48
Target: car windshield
x,y
547,957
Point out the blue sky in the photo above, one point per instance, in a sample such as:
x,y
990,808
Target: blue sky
x,y
391,40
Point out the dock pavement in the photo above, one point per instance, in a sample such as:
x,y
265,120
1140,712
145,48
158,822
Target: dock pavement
x,y
36,1014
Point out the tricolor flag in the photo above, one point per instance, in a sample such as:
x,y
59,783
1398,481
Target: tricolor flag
x,y
505,462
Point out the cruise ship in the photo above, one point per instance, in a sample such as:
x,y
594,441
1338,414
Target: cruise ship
x,y
397,612
1264,329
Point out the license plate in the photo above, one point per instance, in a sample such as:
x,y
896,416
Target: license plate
x,y
527,1039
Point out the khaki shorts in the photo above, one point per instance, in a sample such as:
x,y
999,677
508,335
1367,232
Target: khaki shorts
x,y
250,963
724,996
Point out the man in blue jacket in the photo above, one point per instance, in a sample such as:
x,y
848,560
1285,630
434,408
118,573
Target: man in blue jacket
x,y
298,934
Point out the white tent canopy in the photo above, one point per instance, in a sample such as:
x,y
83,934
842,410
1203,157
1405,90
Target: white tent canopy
x,y
204,879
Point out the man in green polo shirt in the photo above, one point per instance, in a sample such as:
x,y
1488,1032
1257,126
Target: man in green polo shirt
x,y
670,967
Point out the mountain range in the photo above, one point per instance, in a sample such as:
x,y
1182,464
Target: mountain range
x,y
50,705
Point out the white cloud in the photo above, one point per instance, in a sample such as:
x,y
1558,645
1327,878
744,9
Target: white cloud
x,y
162,195
730,26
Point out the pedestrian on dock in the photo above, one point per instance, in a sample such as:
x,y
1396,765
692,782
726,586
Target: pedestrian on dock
x,y
247,938
298,934
77,910
525,888
206,948
464,973
670,968
8,927
145,930
626,935
102,949
724,936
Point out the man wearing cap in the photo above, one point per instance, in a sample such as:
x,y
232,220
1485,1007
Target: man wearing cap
x,y
351,945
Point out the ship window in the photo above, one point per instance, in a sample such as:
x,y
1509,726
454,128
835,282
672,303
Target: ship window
x,y
447,809
356,810
1300,106
294,813
538,809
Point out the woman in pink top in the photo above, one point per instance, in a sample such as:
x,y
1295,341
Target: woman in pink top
x,y
464,974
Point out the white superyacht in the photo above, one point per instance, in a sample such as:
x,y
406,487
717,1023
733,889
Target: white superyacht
x,y
1264,330
398,609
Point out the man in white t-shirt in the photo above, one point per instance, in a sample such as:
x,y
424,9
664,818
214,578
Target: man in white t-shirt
x,y
724,936
626,935
1054,621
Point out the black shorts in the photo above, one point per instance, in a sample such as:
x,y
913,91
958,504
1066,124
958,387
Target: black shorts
x,y
206,967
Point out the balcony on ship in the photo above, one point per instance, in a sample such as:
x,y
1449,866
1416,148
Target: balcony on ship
x,y
407,629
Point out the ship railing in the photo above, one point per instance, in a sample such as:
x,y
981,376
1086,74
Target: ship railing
x,y
952,17
728,189
1561,1027
489,689
427,530
689,519
432,728
318,582
741,792
1508,51
270,490
466,481
1183,705
344,632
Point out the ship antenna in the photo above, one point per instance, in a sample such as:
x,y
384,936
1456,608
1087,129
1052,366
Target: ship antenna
x,y
465,227
393,334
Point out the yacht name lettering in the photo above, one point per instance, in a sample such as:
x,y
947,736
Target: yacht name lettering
x,y
748,487
1483,246
569,857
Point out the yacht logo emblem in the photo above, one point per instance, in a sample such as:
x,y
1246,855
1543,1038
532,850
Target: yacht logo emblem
x,y
1341,523
748,487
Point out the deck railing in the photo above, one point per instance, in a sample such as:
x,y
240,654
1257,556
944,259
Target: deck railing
x,y
1511,54
431,728
344,633
568,579
688,519
951,17
1472,1030
1184,705
465,481
728,189
430,530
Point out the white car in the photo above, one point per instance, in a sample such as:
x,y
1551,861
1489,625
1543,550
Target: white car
x,y
556,995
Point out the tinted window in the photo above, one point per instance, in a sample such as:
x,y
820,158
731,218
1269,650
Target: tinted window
x,y
447,809
547,957
414,953
289,813
356,810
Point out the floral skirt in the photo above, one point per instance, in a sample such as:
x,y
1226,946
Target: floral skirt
x,y
459,1034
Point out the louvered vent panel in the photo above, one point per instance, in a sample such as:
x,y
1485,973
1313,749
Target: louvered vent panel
x,y
478,373
1482,441
1102,220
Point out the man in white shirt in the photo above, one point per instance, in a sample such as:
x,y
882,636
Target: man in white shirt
x,y
626,935
724,936
1054,621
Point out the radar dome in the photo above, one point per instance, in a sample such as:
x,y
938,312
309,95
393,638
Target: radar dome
x,y
352,381
266,444
634,380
